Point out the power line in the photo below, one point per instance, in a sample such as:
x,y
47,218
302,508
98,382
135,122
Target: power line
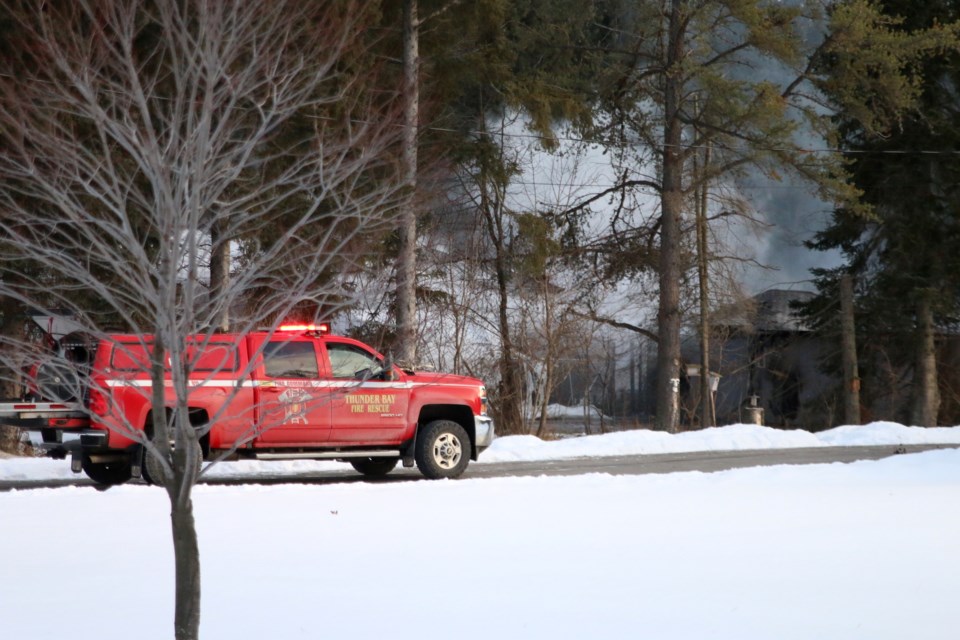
x,y
802,150
598,142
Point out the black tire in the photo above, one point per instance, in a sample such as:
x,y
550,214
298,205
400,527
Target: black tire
x,y
375,467
442,450
107,473
152,470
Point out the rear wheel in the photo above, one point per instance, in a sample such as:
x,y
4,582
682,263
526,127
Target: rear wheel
x,y
107,473
374,467
442,450
152,469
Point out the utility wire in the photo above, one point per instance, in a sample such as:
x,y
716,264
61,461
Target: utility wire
x,y
600,143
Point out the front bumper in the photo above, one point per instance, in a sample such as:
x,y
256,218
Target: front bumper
x,y
483,432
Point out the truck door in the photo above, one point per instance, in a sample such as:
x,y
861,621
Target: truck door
x,y
293,403
367,409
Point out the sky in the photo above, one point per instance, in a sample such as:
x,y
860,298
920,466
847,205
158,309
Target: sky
x,y
861,550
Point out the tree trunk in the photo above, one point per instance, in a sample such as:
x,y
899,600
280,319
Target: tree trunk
x,y
551,350
178,483
186,554
219,273
545,397
509,392
407,257
851,374
186,550
926,392
509,405
707,418
671,207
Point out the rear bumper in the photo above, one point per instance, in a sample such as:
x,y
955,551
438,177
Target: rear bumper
x,y
40,420
93,439
79,445
59,442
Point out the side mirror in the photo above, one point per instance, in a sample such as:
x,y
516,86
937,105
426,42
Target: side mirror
x,y
389,371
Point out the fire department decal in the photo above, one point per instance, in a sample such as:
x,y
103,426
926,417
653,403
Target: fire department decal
x,y
371,402
294,401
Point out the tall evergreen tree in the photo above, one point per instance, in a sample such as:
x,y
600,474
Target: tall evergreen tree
x,y
748,79
906,254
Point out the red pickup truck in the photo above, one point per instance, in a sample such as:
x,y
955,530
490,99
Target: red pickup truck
x,y
293,394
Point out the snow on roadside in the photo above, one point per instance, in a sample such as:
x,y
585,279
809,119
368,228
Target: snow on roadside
x,y
735,437
527,448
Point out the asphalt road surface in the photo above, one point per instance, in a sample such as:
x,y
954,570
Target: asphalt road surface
x,y
704,461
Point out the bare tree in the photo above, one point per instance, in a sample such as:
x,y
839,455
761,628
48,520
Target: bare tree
x,y
554,331
456,310
134,133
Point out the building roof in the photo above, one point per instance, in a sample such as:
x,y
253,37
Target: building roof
x,y
774,311
769,311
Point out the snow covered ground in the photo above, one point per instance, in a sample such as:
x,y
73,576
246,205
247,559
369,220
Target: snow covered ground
x,y
865,550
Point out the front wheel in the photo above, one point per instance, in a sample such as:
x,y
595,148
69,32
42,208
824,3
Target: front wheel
x,y
442,450
107,473
375,467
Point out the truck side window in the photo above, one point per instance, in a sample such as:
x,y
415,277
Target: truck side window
x,y
286,359
212,356
348,361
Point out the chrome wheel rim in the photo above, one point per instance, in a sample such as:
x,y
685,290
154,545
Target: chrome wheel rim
x,y
447,451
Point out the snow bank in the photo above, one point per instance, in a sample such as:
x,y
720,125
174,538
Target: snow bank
x,y
734,437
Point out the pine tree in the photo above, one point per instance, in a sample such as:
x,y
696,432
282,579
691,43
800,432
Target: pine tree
x,y
748,79
906,253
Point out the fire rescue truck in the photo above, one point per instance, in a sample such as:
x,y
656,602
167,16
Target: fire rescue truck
x,y
297,393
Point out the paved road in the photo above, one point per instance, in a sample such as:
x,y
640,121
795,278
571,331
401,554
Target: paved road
x,y
704,461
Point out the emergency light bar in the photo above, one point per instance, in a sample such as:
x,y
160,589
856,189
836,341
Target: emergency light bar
x,y
318,328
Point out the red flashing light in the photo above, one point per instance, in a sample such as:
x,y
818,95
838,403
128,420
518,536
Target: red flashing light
x,y
315,328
